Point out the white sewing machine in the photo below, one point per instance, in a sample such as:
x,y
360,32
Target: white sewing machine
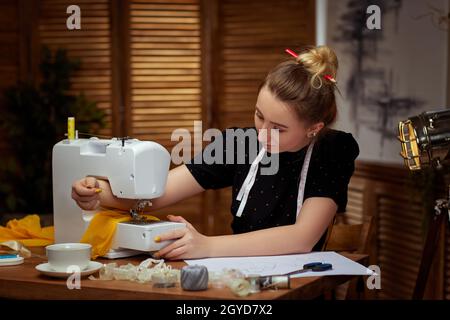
x,y
135,170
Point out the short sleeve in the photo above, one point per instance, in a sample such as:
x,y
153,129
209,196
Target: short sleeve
x,y
332,166
209,167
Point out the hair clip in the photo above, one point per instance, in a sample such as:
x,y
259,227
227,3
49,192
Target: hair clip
x,y
292,53
326,77
329,78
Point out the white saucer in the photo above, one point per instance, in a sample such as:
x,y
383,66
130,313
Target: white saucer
x,y
11,261
92,267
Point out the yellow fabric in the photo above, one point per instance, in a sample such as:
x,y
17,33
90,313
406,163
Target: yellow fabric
x,y
102,228
27,231
99,234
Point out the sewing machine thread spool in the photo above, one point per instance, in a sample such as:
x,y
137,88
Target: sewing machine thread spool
x,y
194,278
71,128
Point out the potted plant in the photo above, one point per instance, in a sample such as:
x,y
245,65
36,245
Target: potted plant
x,y
33,119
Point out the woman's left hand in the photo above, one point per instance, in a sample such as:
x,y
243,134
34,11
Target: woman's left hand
x,y
188,244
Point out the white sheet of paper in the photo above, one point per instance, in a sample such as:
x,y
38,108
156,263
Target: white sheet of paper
x,y
277,265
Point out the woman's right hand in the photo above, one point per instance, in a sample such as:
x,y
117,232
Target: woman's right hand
x,y
85,192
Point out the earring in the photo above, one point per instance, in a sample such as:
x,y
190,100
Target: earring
x,y
312,135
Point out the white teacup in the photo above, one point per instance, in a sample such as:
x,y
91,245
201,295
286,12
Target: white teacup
x,y
61,256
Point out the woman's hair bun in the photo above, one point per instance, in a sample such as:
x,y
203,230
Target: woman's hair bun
x,y
319,61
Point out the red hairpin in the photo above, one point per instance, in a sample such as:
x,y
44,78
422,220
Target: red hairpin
x,y
292,53
329,78
326,77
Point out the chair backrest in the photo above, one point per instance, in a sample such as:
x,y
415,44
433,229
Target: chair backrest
x,y
353,238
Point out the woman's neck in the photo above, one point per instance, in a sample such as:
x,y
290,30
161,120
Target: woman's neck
x,y
301,146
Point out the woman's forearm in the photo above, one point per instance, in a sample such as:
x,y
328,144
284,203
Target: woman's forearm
x,y
180,185
314,218
273,241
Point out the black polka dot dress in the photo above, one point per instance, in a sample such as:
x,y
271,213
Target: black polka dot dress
x,y
272,200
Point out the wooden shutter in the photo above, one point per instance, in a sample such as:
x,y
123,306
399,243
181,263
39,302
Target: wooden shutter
x,y
355,204
399,226
9,51
165,68
165,79
253,35
9,39
400,232
91,44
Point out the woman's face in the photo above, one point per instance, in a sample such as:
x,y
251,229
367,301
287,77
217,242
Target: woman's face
x,y
271,113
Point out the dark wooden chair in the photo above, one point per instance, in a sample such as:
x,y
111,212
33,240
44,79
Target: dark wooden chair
x,y
351,238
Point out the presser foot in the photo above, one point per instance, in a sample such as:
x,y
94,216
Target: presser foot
x,y
136,213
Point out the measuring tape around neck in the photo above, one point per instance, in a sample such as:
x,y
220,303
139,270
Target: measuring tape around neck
x,y
304,174
253,171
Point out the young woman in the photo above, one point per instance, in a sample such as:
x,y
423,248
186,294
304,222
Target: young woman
x,y
283,213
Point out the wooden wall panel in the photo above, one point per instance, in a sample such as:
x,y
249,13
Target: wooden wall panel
x,y
91,44
400,242
166,79
253,35
9,38
400,229
9,51
355,205
165,50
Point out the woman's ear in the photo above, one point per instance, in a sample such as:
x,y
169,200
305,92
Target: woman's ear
x,y
314,130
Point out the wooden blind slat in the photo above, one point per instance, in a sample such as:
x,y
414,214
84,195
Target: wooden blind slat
x,y
9,54
91,44
165,78
399,234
